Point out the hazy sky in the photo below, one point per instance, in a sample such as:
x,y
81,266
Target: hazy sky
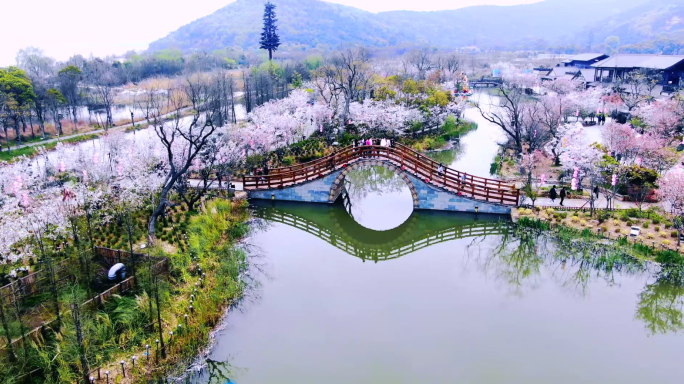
x,y
65,27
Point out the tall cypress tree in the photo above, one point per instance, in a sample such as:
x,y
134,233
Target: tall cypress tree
x,y
269,37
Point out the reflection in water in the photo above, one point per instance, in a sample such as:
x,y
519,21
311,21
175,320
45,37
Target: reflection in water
x,y
579,260
571,309
372,179
257,349
422,229
662,302
447,156
379,198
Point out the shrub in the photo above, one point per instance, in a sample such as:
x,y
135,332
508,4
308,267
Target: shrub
x,y
604,229
618,230
663,234
674,234
630,222
583,222
646,224
575,219
656,221
563,215
668,225
657,228
667,242
550,211
650,235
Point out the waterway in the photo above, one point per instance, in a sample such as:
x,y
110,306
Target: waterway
x,y
379,293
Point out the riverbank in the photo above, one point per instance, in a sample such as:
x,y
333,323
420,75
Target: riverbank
x,y
656,233
155,321
34,147
202,283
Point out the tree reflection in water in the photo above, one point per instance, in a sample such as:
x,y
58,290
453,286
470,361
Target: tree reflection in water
x,y
575,261
519,255
447,156
362,181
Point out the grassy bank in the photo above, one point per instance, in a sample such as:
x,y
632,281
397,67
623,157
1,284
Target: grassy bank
x,y
35,150
657,241
451,130
203,280
202,283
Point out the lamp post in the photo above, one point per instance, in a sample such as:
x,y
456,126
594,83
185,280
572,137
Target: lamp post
x,y
133,361
147,351
123,368
107,374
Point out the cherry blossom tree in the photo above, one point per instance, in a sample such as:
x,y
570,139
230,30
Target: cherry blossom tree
x,y
661,117
508,109
671,194
584,159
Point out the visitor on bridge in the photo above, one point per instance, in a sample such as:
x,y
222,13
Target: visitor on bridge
x,y
553,194
440,169
563,194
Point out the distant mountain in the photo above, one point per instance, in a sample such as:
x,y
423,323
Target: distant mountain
x,y
656,24
301,22
313,23
489,25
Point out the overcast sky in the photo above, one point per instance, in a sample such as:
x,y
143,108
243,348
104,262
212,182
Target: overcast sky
x,y
65,27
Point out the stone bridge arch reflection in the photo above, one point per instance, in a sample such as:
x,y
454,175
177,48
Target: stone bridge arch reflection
x,y
422,229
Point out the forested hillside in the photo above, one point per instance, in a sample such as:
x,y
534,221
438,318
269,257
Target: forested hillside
x,y
655,27
304,24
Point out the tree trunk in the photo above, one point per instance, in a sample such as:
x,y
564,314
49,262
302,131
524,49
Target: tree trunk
x,y
12,357
159,322
22,328
75,312
16,130
53,290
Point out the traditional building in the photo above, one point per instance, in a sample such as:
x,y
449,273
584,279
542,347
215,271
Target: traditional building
x,y
583,61
671,67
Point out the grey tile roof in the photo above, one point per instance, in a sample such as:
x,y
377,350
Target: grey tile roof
x,y
588,74
585,57
640,61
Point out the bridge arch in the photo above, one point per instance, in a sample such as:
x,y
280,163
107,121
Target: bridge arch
x,y
338,183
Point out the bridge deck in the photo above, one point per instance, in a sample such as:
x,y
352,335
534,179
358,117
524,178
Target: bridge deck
x,y
421,166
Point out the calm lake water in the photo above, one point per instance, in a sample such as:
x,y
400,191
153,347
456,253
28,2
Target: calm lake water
x,y
379,293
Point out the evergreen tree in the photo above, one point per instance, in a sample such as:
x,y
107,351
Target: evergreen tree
x,y
269,37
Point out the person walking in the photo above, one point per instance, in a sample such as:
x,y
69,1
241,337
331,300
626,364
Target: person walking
x,y
596,191
562,195
553,194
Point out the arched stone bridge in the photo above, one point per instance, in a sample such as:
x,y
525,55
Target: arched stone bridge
x,y
422,229
322,181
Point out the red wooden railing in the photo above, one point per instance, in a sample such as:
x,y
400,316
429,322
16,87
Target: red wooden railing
x,y
479,188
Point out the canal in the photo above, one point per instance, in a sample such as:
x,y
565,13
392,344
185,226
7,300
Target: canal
x,y
379,293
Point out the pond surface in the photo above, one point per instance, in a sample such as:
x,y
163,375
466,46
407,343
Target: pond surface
x,y
378,293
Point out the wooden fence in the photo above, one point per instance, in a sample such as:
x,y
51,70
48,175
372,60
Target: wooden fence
x,y
109,256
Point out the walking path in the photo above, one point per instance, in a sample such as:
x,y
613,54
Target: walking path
x,y
577,203
95,132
